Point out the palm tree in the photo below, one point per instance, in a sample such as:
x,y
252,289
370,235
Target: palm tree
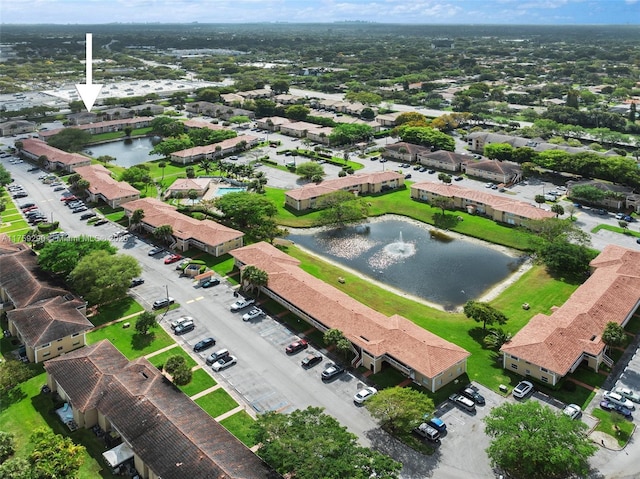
x,y
162,165
253,277
192,195
136,218
164,233
496,338
206,165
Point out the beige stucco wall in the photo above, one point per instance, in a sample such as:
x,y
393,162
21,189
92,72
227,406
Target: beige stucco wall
x,y
58,347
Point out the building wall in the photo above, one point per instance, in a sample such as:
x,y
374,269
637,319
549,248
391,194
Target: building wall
x,y
58,347
524,368
441,165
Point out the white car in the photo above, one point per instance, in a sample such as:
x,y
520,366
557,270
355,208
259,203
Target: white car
x,y
241,304
224,363
364,394
618,399
522,389
628,393
253,314
573,411
174,324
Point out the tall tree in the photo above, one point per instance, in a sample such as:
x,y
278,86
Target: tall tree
x,y
340,208
145,321
310,444
399,409
101,277
310,170
483,313
164,233
554,445
614,335
60,257
136,218
336,338
162,165
244,210
12,373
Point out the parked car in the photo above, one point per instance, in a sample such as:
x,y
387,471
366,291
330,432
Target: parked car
x,y
253,314
407,176
311,360
609,406
437,423
427,432
154,251
463,402
185,327
431,172
79,209
473,394
224,363
296,346
522,389
366,393
172,258
163,303
217,355
618,399
58,188
177,322
458,178
628,393
620,216
206,343
242,303
136,282
332,371
101,222
86,216
210,282
572,410
20,194
68,198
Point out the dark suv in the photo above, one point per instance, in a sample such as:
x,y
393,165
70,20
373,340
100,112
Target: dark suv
x,y
204,344
332,371
185,327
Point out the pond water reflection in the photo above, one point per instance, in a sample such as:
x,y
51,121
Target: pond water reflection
x,y
404,254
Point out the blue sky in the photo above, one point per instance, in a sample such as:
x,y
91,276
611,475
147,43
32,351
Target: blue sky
x,y
301,11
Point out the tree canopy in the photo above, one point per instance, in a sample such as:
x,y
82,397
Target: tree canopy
x,y
60,257
54,456
399,409
483,313
349,133
426,136
145,321
310,170
243,210
340,208
308,444
70,139
102,277
531,441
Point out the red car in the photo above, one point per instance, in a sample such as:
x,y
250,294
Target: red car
x,y
68,198
296,346
172,258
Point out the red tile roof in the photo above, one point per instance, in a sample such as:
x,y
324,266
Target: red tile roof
x,y
202,124
374,332
498,203
207,149
313,190
157,213
101,182
611,294
39,148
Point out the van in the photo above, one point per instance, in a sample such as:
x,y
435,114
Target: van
x,y
427,432
219,354
463,402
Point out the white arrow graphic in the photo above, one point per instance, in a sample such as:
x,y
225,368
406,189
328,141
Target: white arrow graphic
x,y
89,92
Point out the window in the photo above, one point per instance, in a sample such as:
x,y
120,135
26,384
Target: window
x,y
45,345
60,348
75,334
544,370
544,379
514,366
527,372
76,343
46,354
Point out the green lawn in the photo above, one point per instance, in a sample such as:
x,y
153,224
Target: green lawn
x,y
116,310
399,202
159,359
129,342
27,409
239,424
616,229
607,425
217,402
201,381
535,287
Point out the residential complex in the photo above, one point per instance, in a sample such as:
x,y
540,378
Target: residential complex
x,y
103,187
53,158
169,435
307,197
377,339
188,232
497,207
551,346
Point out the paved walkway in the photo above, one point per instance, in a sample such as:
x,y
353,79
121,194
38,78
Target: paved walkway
x,y
605,440
229,413
205,392
160,351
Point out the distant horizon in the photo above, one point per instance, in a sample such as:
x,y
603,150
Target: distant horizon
x,y
295,12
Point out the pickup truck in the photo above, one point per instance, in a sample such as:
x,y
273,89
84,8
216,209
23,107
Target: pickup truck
x,y
427,432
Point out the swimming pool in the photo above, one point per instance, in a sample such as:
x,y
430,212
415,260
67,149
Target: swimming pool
x,y
223,190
